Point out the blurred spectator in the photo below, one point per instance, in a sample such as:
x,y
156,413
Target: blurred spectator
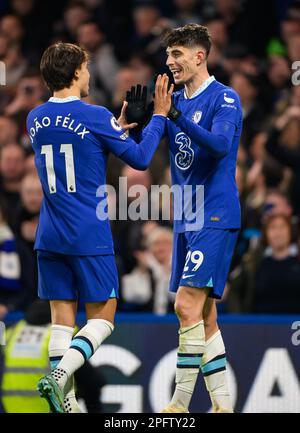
x,y
37,18
10,269
253,116
127,232
146,287
218,31
284,145
290,25
17,288
279,77
233,58
125,78
148,29
8,131
269,279
11,27
28,216
186,11
12,166
30,164
75,14
293,47
143,68
103,65
219,36
15,63
30,93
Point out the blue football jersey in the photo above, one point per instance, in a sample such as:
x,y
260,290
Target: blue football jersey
x,y
72,140
192,164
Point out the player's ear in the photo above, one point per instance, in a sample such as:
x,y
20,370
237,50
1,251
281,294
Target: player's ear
x,y
77,74
201,56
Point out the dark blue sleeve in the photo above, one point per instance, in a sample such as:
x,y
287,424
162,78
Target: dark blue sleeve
x,y
117,141
138,135
218,141
109,132
139,155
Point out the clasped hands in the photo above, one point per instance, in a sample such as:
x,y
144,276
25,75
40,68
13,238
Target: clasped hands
x,y
137,110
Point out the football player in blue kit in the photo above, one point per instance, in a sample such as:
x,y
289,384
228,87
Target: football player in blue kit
x,y
71,141
203,128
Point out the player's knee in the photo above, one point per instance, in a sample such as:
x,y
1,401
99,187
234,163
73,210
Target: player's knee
x,y
184,310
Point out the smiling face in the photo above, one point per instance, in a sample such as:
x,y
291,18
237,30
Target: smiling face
x,y
184,62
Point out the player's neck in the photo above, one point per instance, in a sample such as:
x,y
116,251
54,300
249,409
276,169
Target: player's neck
x,y
65,93
192,86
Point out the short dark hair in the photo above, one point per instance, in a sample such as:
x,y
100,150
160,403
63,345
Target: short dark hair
x,y
59,63
189,35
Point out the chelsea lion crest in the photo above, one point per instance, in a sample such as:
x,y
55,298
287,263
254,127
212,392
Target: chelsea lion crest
x,y
197,116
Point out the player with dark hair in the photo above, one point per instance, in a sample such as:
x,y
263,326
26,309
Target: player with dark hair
x,y
204,127
72,140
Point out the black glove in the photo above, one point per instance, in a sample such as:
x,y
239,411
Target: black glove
x,y
138,110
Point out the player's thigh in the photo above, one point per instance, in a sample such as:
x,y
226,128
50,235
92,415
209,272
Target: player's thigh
x,y
179,252
224,261
209,251
200,263
55,277
96,278
97,285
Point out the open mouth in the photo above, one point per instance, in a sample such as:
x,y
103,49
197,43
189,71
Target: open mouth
x,y
176,73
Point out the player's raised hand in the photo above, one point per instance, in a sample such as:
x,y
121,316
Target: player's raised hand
x,y
122,120
162,97
137,109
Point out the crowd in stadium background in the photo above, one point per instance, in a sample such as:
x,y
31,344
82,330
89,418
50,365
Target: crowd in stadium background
x,y
254,49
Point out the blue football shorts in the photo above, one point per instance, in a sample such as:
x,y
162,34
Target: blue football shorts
x,y
202,259
83,278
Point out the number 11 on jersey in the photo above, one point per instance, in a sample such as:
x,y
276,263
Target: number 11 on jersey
x,y
67,149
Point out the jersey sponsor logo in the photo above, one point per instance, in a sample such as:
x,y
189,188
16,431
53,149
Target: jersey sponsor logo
x,y
228,106
228,99
197,116
185,157
114,124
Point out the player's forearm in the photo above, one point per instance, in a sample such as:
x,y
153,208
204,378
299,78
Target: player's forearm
x,y
138,135
140,155
215,142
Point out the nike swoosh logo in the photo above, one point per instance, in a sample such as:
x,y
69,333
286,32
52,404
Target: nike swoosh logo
x,y
186,276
